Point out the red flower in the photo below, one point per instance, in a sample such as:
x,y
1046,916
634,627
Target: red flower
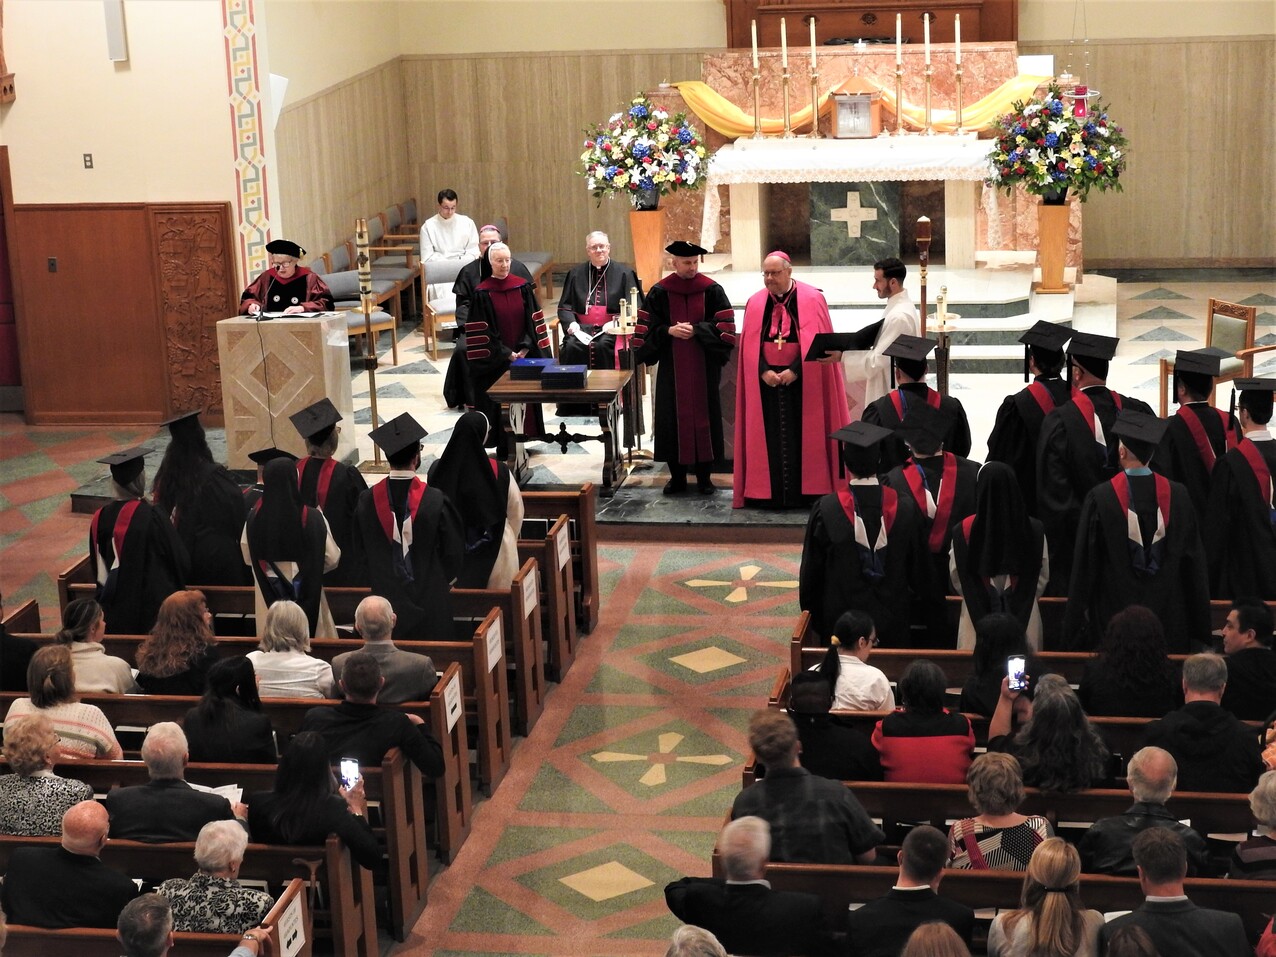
x,y
589,144
1099,168
1041,142
1061,166
693,142
651,124
1019,170
677,179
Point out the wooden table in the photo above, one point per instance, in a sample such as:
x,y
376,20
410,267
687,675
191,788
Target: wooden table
x,y
602,390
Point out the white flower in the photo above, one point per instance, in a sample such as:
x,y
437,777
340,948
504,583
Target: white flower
x,y
615,117
1058,126
1033,155
1116,154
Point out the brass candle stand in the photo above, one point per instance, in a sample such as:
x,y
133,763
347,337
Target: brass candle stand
x,y
930,73
899,100
959,127
815,133
788,120
757,115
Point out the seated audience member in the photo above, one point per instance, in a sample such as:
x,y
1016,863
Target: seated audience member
x,y
1255,858
691,941
284,667
924,743
935,939
175,658
1105,847
409,676
307,805
1051,919
15,655
1132,676
857,685
67,886
145,927
33,798
882,927
227,725
1131,941
1177,927
813,820
212,901
998,838
1251,664
742,911
997,637
1214,751
361,728
1058,749
96,672
165,809
829,749
83,730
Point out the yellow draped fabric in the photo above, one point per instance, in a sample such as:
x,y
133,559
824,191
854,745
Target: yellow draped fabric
x,y
729,120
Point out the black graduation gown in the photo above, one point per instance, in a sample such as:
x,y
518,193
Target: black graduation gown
x,y
1105,580
1240,543
1069,464
309,576
155,565
687,409
211,526
883,412
1178,458
344,487
1014,435
979,598
832,579
609,286
458,391
421,603
489,357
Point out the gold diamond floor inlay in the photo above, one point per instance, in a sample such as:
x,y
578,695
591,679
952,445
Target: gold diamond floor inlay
x,y
707,659
605,881
656,774
739,592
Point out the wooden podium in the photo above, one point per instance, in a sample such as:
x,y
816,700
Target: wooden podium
x,y
273,368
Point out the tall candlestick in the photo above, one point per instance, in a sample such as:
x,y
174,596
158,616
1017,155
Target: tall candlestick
x,y
926,24
899,39
784,44
957,37
812,42
755,44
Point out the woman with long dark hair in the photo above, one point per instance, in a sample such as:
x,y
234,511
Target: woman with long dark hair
x,y
1058,748
997,637
999,561
1132,676
289,547
857,685
227,725
96,672
176,656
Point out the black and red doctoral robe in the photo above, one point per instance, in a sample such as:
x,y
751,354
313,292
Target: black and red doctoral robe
x,y
504,320
864,551
1076,452
138,561
1017,429
1138,543
410,545
687,410
889,412
458,390
304,288
334,488
1195,438
1240,537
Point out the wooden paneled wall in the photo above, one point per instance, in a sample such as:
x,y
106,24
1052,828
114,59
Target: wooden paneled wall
x,y
343,154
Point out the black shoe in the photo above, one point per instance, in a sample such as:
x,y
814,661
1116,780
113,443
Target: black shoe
x,y
706,487
675,487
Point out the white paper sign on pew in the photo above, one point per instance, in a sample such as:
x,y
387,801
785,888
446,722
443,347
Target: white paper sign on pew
x,y
495,643
531,593
452,700
563,543
292,931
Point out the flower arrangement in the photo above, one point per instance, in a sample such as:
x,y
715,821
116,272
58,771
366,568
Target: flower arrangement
x,y
641,149
1050,149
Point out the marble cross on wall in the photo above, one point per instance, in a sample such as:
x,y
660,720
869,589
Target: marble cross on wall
x,y
853,214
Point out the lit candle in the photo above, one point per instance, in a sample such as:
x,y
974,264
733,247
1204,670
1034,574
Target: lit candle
x,y
957,37
899,40
812,43
926,22
784,44
755,44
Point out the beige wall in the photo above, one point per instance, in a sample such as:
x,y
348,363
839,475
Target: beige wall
x,y
1144,19
318,45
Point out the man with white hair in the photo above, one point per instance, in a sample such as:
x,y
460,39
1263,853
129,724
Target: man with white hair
x,y
1106,847
166,809
408,676
592,292
213,901
742,911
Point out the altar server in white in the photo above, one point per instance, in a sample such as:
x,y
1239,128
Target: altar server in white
x,y
868,371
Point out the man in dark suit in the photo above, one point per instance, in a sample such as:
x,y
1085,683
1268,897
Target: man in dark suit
x,y
67,886
742,911
881,927
166,809
1177,927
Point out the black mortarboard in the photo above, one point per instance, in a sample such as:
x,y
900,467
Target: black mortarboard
x,y
1257,394
924,428
398,434
1254,385
1139,426
1200,361
262,456
126,465
285,247
185,425
1046,340
315,422
685,249
1092,352
914,348
861,434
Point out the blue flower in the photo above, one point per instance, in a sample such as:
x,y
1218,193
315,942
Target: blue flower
x,y
1056,107
1020,130
1091,162
638,112
1090,129
646,182
684,136
1057,175
640,150
610,172
1052,139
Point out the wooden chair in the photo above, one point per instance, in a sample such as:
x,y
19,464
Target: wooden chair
x,y
1228,326
335,267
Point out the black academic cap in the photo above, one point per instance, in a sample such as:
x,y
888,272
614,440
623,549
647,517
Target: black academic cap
x,y
861,434
914,348
316,422
185,425
1139,427
397,434
685,249
923,427
1254,385
1046,335
1090,345
262,456
1200,361
1257,394
126,465
285,247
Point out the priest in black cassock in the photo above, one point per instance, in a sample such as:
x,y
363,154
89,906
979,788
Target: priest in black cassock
x,y
1138,543
1199,434
286,287
590,300
137,558
408,539
688,328
1014,435
1075,451
1240,536
331,486
908,370
864,548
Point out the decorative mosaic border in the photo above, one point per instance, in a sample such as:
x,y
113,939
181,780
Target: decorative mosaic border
x,y
243,80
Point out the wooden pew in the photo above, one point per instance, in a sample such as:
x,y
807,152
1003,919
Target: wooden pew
x,y
347,886
290,915
24,618
580,505
553,554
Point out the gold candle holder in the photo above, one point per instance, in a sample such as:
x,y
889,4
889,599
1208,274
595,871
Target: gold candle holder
x,y
757,115
929,130
815,133
788,120
899,100
959,128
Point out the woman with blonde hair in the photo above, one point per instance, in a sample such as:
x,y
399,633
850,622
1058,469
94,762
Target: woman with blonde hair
x,y
83,730
1051,920
33,798
998,838
176,657
284,667
935,939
